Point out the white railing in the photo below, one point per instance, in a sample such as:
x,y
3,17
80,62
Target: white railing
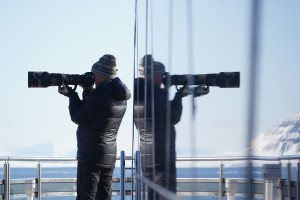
x,y
272,184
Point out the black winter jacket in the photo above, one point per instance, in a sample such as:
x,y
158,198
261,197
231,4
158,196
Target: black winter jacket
x,y
160,129
99,117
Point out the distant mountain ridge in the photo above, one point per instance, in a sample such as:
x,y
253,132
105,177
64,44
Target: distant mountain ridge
x,y
45,150
283,140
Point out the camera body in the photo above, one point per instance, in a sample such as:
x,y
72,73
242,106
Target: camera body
x,y
45,79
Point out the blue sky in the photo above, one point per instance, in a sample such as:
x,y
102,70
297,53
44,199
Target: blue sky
x,y
69,36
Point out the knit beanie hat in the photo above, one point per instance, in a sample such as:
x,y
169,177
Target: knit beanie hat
x,y
106,67
146,63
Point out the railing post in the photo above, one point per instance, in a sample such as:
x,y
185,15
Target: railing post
x,y
298,179
250,180
122,176
6,182
30,188
39,182
138,171
289,168
271,174
281,182
231,188
221,182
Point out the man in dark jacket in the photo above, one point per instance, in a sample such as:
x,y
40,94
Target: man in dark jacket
x,y
98,116
157,129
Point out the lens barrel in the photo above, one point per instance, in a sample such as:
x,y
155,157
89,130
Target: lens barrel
x,y
45,79
222,79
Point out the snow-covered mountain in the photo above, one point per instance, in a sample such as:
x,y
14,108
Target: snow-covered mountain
x,y
281,140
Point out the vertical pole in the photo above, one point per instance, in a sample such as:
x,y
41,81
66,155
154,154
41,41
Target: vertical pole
x,y
289,180
6,182
298,179
221,182
271,175
231,186
30,188
250,177
138,171
39,181
122,176
253,82
269,189
281,182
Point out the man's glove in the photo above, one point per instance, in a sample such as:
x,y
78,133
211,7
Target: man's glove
x,y
67,90
200,91
182,92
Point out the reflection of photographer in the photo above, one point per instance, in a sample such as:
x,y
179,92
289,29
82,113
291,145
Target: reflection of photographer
x,y
156,135
155,116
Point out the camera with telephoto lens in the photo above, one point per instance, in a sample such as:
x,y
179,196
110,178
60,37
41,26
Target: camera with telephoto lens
x,y
199,83
45,79
222,79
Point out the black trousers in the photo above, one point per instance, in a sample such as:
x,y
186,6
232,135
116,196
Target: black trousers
x,y
93,182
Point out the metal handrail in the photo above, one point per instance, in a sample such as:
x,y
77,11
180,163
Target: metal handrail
x,y
240,158
122,179
7,181
229,158
9,158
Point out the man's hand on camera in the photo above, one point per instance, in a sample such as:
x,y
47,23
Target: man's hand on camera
x,y
182,92
66,90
